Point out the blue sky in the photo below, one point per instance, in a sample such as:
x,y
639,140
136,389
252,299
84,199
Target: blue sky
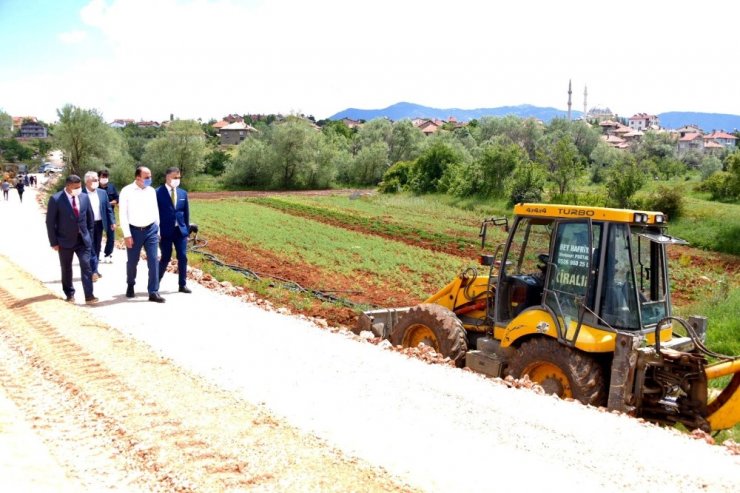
x,y
145,59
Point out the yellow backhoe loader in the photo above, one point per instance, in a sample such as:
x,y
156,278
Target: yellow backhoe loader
x,y
578,299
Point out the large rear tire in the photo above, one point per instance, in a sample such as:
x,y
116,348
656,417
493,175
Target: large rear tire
x,y
435,326
560,370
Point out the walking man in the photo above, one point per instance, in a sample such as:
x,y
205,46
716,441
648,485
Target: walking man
x,y
174,225
20,187
110,233
139,218
6,188
69,225
103,216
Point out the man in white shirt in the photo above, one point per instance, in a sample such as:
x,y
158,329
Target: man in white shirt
x,y
139,216
104,219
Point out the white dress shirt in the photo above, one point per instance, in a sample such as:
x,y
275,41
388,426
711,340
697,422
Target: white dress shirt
x,y
137,207
94,203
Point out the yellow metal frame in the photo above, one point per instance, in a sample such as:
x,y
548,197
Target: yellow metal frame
x,y
552,211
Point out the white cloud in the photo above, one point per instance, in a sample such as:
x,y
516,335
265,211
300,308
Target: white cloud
x,y
206,58
72,37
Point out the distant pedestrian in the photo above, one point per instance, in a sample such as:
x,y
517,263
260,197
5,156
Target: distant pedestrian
x,y
26,180
110,233
69,224
139,216
103,217
33,181
5,187
20,188
174,225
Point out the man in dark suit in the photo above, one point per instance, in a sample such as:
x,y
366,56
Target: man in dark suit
x,y
104,219
70,224
174,225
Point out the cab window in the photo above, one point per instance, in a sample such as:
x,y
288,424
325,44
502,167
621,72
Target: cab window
x,y
618,295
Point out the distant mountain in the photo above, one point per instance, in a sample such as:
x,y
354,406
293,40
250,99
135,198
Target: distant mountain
x,y
705,121
400,111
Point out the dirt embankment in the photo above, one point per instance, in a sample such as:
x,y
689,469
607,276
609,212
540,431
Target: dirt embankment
x,y
115,415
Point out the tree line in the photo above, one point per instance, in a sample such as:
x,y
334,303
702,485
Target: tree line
x,y
494,157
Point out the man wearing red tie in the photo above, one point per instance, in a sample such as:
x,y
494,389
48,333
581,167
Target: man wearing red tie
x,y
69,225
174,225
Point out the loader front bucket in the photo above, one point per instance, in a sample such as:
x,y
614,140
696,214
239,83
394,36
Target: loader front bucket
x,y
380,322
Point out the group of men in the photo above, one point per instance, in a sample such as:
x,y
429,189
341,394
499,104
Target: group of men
x,y
77,216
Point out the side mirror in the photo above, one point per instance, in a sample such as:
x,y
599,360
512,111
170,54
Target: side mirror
x,y
486,260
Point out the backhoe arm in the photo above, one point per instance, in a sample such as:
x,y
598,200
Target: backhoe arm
x,y
724,411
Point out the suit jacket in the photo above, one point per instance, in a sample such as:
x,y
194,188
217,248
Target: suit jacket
x,y
63,227
173,217
106,210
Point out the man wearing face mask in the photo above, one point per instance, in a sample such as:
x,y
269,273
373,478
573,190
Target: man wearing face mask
x,y
104,219
139,216
69,225
174,225
110,233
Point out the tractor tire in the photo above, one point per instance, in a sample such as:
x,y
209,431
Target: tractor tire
x,y
435,326
560,370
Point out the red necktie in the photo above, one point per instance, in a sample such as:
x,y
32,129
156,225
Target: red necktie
x,y
74,206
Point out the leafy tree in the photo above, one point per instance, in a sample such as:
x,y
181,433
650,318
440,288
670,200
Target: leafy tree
x,y
6,122
709,165
528,183
291,141
657,146
83,136
378,130
182,145
336,127
369,164
431,165
215,162
669,200
497,162
14,151
397,177
138,137
405,142
669,167
252,166
563,162
625,179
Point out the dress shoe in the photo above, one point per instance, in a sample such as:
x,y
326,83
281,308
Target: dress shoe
x,y
130,292
70,299
91,301
156,298
184,289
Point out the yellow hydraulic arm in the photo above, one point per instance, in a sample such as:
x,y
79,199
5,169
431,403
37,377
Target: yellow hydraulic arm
x,y
724,411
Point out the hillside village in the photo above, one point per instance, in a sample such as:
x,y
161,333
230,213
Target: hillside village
x,y
619,133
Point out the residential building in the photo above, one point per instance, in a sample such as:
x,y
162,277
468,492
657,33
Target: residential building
x,y
689,129
233,118
726,140
121,122
643,121
18,121
351,123
33,130
691,142
235,133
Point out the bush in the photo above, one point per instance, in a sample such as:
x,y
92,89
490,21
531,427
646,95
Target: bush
x,y
396,178
205,183
528,183
667,200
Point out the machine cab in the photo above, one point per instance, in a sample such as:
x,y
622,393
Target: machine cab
x,y
604,268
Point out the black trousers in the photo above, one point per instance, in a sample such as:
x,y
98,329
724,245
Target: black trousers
x,y
65,260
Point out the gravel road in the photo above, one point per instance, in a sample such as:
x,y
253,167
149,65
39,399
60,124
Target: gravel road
x,y
435,428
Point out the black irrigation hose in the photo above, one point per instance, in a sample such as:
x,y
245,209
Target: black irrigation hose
x,y
197,244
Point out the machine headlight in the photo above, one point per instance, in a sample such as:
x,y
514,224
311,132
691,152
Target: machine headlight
x,y
640,217
659,218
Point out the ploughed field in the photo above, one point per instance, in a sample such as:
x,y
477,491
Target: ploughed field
x,y
395,250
